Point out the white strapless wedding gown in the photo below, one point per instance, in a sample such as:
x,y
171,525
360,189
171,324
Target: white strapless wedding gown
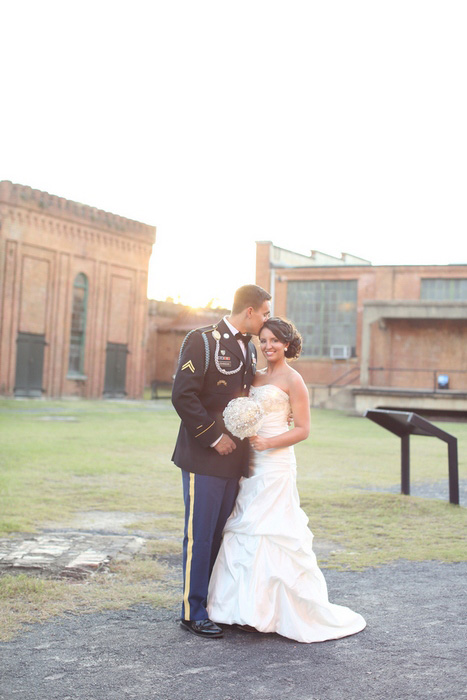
x,y
266,574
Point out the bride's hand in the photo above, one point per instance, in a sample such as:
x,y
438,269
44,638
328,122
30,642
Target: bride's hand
x,y
259,443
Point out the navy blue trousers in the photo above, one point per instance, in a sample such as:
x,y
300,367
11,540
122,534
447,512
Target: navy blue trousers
x,y
209,500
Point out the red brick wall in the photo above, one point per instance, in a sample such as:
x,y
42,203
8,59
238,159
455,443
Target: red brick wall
x,y
120,303
35,278
167,351
419,345
263,277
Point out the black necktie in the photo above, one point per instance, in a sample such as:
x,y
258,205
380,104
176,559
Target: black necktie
x,y
244,338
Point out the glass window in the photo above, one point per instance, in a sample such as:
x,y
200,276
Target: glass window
x,y
78,325
325,313
444,289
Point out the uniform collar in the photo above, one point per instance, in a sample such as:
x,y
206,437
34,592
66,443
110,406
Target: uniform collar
x,y
231,328
239,349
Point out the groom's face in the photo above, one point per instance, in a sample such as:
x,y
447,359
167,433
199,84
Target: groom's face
x,y
256,317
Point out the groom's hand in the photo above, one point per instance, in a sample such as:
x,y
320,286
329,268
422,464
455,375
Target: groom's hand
x,y
225,445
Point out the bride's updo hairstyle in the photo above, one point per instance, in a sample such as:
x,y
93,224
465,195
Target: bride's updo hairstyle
x,y
286,332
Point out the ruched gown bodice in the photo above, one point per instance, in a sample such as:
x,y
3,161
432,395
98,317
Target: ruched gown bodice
x,y
266,574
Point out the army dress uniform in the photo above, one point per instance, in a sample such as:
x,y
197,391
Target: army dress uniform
x,y
211,371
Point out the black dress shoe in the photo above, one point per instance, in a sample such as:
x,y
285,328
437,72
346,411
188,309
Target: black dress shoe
x,y
203,628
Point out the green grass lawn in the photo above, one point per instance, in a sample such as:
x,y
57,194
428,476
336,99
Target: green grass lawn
x,y
116,457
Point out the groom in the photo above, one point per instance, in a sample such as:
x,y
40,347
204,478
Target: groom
x,y
217,363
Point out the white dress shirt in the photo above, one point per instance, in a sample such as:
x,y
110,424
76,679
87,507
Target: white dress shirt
x,y
234,331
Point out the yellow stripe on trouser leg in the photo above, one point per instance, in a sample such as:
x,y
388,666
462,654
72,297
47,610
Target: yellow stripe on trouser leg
x,y
189,553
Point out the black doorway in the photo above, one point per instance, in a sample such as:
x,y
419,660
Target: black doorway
x,y
29,364
115,370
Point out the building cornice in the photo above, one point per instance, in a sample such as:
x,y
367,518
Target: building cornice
x,y
45,204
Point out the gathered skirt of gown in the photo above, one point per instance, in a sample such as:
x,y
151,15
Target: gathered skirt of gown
x,y
266,574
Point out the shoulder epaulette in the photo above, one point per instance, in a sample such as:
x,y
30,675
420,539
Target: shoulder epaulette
x,y
207,329
183,344
203,330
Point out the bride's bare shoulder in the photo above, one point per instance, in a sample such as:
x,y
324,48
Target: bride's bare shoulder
x,y
295,379
260,377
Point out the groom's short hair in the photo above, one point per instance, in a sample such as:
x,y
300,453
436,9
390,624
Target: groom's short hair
x,y
249,295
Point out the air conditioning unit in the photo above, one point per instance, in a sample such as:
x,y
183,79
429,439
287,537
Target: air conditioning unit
x,y
340,352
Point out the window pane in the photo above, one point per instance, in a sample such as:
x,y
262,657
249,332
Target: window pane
x,y
325,313
444,289
78,325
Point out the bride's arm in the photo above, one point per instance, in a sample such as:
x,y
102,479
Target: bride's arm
x,y
300,403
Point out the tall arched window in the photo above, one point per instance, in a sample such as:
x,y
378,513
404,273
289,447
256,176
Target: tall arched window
x,y
78,325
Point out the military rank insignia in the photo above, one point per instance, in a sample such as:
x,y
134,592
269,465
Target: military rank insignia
x,y
188,365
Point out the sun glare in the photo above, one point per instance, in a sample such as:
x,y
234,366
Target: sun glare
x,y
198,279
187,289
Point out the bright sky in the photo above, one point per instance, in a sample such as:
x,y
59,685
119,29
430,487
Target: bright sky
x,y
337,125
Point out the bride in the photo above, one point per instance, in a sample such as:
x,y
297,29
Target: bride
x,y
266,576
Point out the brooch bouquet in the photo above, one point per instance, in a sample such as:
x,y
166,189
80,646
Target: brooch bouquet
x,y
243,417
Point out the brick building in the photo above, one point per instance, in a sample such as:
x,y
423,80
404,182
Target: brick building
x,y
73,297
397,335
168,324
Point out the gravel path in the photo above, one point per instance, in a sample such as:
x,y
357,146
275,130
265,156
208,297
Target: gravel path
x,y
438,490
413,647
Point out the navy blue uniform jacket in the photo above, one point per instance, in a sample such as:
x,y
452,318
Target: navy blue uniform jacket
x,y
200,395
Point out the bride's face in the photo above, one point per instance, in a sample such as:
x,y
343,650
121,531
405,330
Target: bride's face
x,y
272,348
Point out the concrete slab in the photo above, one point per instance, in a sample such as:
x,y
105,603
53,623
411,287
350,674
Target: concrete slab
x,y
71,553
